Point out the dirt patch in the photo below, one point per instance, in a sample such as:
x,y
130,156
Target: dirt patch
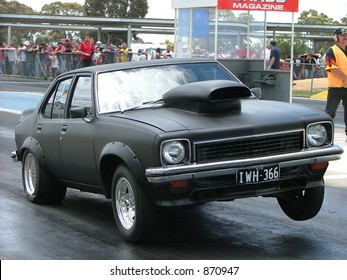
x,y
316,84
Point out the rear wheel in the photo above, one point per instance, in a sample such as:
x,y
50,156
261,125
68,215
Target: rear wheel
x,y
133,211
302,205
38,187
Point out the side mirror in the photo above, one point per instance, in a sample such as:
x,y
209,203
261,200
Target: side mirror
x,y
78,112
256,92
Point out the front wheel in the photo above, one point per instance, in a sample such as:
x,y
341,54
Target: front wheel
x,y
38,186
303,204
133,211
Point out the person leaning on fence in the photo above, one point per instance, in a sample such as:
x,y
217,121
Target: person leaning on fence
x,y
86,50
1,60
109,54
54,65
11,63
310,64
97,57
75,56
123,53
21,59
322,72
69,57
61,55
31,50
141,55
336,67
168,53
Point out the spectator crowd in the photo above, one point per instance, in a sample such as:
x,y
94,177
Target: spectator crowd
x,y
49,60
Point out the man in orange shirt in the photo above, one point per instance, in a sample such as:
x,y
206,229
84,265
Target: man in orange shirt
x,y
336,67
86,50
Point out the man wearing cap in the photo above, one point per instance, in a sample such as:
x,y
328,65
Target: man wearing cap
x,y
336,67
99,46
101,49
275,56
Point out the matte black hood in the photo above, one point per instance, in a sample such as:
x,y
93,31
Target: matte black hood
x,y
254,113
217,104
207,96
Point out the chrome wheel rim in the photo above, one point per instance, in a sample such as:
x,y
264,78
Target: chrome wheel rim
x,y
125,203
30,174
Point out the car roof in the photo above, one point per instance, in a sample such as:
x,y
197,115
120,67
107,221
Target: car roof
x,y
141,63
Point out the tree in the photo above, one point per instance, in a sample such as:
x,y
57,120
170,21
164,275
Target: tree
x,y
284,44
14,7
226,15
63,9
117,9
245,17
60,9
17,35
312,17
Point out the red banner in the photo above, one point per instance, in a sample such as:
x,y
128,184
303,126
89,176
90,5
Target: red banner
x,y
260,5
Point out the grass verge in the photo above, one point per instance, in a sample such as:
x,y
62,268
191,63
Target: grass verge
x,y
305,93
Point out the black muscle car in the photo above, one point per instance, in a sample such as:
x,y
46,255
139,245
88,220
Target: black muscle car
x,y
168,133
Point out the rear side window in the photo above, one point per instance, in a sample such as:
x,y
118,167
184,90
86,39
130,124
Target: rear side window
x,y
55,107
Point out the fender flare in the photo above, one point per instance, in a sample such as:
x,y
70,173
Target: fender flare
x,y
33,145
111,156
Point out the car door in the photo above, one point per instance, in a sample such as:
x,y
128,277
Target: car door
x,y
76,135
49,122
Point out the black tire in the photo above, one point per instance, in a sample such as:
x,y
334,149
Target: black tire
x,y
38,187
133,211
302,205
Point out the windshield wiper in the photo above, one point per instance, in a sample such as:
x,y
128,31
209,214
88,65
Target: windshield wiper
x,y
153,102
144,104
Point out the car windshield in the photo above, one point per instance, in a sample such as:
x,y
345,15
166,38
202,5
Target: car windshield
x,y
132,88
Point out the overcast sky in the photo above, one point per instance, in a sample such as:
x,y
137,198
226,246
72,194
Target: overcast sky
x,y
162,8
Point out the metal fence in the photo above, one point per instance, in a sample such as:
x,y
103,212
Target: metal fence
x,y
308,71
45,65
48,66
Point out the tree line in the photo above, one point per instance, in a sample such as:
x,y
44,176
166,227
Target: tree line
x,y
139,9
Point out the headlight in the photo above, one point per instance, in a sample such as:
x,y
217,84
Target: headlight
x,y
316,135
174,151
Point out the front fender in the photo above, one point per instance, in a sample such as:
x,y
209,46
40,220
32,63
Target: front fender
x,y
111,156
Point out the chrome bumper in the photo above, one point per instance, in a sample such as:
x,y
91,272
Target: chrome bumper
x,y
14,156
204,170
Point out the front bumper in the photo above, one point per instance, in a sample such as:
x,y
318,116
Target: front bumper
x,y
208,170
15,156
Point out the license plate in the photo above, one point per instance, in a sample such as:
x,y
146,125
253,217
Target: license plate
x,y
258,174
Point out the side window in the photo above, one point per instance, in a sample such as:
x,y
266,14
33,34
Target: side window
x,y
56,104
82,95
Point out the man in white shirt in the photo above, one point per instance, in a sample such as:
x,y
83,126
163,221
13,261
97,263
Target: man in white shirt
x,y
168,53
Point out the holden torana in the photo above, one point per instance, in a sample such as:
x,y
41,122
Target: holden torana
x,y
171,133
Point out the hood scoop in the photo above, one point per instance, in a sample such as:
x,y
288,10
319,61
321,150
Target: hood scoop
x,y
207,97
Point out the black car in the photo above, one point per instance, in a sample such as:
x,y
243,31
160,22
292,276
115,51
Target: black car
x,y
170,133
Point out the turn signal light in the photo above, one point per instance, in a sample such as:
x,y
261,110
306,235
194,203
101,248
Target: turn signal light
x,y
318,165
179,184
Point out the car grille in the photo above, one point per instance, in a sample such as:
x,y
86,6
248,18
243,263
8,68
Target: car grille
x,y
239,148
